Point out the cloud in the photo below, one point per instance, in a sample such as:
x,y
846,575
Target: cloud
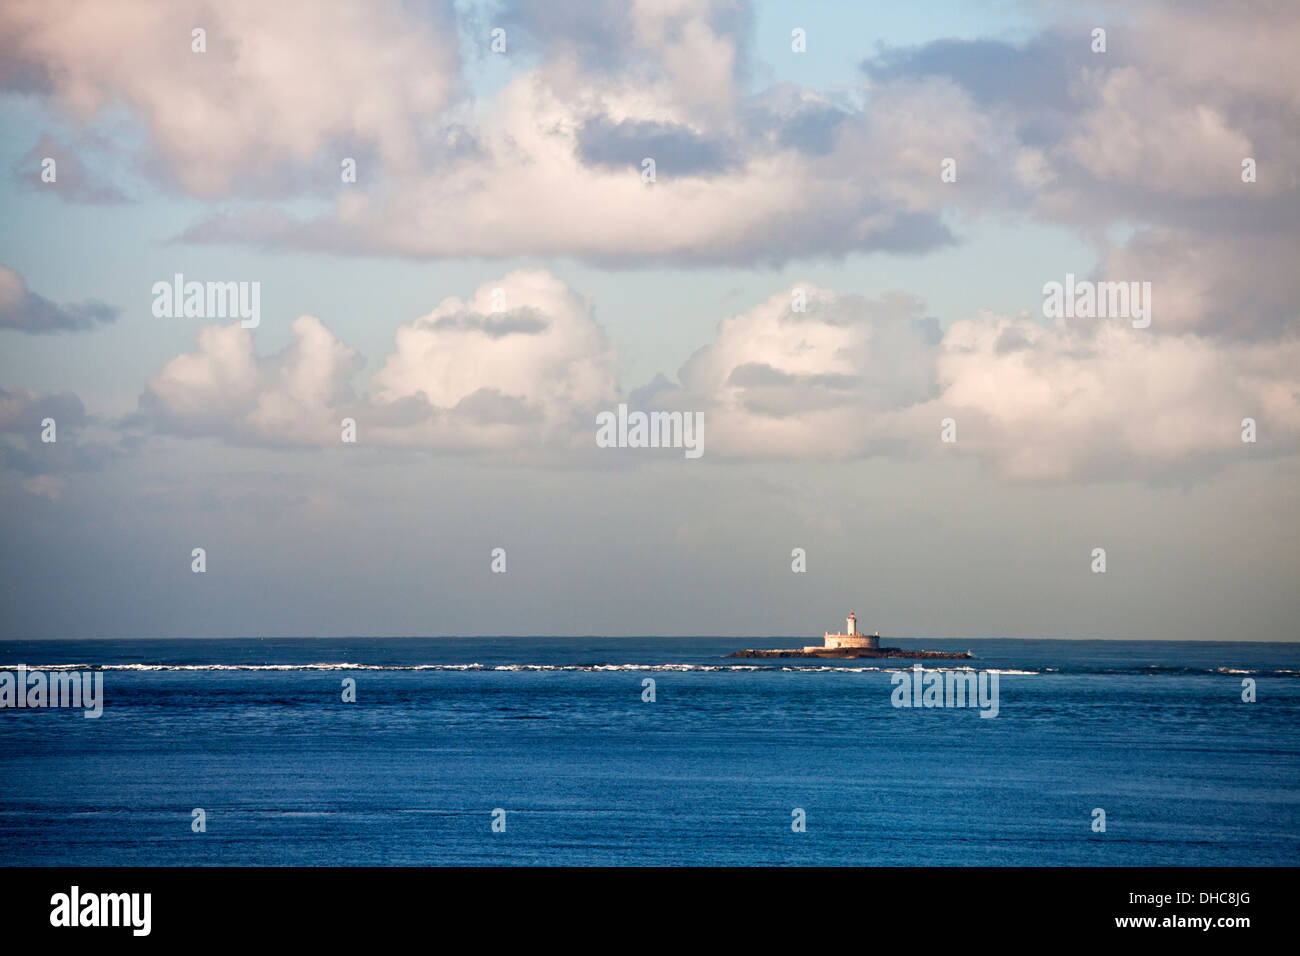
x,y
45,486
25,311
830,383
22,409
1031,78
560,175
1239,287
1075,400
1089,399
23,414
521,368
696,50
1152,132
520,365
1154,139
604,143
278,82
1155,129
1146,139
549,165
75,180
225,390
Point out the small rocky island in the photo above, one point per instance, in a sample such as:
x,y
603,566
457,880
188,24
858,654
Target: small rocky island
x,y
850,645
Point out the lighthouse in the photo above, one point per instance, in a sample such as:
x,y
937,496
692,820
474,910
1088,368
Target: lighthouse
x,y
852,643
851,637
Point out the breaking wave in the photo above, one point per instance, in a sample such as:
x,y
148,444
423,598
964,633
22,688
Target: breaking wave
x,y
785,666
590,668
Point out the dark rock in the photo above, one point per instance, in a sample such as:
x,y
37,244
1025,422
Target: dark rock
x,y
852,653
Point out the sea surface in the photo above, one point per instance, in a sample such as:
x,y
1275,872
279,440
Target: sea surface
x,y
555,732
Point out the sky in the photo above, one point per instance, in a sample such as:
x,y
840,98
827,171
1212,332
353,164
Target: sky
x,y
840,265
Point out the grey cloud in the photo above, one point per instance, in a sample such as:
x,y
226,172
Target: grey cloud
x,y
490,406
1238,287
851,310
21,410
928,328
214,420
74,180
1011,339
676,149
23,451
788,402
834,234
772,393
653,393
37,314
402,413
760,374
1045,104
1219,252
882,352
1030,77
598,33
601,35
38,458
25,311
514,322
813,130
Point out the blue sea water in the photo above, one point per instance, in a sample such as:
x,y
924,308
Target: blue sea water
x,y
555,732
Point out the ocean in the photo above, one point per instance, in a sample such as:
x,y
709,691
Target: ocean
x,y
534,750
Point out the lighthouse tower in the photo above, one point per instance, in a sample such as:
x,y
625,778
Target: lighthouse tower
x,y
851,637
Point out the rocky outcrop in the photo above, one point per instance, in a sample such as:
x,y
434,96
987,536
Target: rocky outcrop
x,y
848,653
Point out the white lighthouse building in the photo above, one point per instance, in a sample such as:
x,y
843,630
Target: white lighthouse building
x,y
851,637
